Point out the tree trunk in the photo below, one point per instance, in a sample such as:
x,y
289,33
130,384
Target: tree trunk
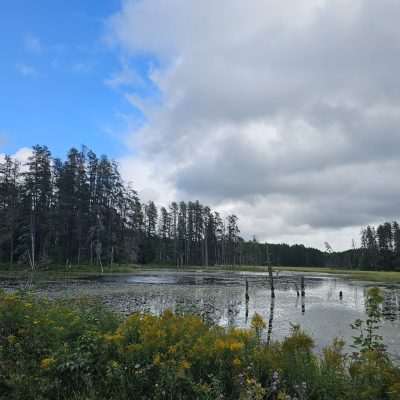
x,y
271,281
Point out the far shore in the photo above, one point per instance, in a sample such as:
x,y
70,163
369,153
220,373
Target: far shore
x,y
81,271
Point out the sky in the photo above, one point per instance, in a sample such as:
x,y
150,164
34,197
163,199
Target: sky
x,y
284,113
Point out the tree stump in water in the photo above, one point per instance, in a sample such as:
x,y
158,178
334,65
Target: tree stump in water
x,y
271,281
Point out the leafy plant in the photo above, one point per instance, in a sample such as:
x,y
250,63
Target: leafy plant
x,y
53,350
369,338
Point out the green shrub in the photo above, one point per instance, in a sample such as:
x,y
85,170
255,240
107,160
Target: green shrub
x,y
51,350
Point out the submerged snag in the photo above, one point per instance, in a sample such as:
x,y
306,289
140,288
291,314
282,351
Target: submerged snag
x,y
270,321
271,281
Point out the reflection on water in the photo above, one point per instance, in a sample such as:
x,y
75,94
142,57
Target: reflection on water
x,y
225,299
270,320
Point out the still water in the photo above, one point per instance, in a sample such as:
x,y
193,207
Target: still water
x,y
220,297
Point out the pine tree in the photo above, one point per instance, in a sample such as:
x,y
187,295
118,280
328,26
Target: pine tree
x,y
37,197
9,206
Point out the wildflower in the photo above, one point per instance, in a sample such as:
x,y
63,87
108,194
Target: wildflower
x,y
237,362
132,347
157,359
172,349
185,364
275,382
114,339
220,344
257,322
235,346
11,339
46,363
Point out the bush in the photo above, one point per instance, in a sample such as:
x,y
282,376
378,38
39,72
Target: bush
x,y
50,350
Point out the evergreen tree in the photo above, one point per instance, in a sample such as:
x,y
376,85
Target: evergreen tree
x,y
9,207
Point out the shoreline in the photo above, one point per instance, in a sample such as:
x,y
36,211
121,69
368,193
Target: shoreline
x,y
81,272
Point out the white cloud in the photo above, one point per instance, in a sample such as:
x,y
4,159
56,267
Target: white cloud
x,y
20,155
286,113
150,179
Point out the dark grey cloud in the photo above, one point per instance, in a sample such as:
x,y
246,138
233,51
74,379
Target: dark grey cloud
x,y
274,101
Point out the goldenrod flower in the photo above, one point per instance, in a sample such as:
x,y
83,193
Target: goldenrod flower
x,y
46,363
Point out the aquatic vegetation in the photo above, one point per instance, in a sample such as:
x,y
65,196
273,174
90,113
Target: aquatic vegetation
x,y
54,350
369,337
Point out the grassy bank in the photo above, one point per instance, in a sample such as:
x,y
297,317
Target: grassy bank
x,y
78,271
61,271
53,350
371,276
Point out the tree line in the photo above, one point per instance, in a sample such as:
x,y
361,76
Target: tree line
x,y
380,246
79,211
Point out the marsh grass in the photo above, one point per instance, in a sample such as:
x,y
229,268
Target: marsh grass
x,y
56,272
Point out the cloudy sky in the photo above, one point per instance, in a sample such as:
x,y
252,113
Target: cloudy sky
x,y
283,112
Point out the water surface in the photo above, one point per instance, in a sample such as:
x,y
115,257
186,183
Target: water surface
x,y
220,297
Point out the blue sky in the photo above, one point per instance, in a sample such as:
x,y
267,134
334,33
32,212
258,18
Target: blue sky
x,y
53,73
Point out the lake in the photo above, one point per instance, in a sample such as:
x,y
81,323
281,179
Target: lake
x,y
220,297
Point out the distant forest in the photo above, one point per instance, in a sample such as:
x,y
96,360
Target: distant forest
x,y
79,211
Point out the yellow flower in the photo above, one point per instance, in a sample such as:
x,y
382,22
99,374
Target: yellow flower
x,y
10,299
172,349
157,359
46,363
116,339
237,362
132,347
185,364
11,339
220,344
257,322
235,346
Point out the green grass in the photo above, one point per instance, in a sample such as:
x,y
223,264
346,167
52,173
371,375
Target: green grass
x,y
59,272
79,271
371,276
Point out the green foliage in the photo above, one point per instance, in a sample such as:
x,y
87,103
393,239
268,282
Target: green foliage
x,y
53,350
369,338
370,367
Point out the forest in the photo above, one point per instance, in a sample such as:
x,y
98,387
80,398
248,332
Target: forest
x,y
80,211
